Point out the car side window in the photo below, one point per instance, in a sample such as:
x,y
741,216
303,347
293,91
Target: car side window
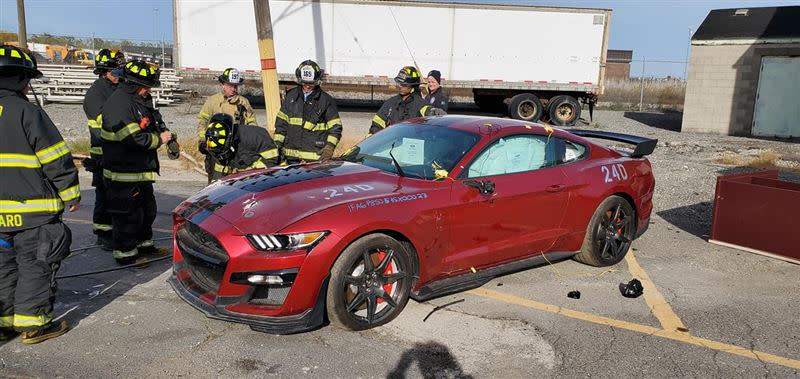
x,y
573,151
513,154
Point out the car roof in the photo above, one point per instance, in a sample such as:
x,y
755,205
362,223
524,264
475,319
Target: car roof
x,y
490,126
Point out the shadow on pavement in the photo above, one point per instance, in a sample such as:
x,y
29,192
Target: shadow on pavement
x,y
80,297
433,359
694,219
668,121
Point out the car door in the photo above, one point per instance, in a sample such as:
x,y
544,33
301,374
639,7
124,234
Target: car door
x,y
508,203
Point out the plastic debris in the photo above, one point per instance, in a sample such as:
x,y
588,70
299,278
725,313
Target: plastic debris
x,y
574,294
440,307
632,289
473,270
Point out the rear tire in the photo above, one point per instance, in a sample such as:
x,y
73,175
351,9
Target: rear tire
x,y
609,234
370,283
564,110
526,107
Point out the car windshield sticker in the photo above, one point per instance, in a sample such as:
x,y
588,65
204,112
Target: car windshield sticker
x,y
386,201
413,151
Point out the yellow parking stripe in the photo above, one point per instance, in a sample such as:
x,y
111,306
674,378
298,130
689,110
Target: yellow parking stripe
x,y
658,305
649,330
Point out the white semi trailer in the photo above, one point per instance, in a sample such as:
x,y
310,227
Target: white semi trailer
x,y
534,62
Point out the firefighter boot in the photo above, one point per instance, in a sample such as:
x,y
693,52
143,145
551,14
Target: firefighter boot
x,y
51,330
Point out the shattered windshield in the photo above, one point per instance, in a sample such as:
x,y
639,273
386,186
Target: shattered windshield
x,y
422,151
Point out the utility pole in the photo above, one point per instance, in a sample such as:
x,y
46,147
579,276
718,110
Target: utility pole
x,y
266,51
23,33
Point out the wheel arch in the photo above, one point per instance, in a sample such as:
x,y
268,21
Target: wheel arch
x,y
630,201
397,235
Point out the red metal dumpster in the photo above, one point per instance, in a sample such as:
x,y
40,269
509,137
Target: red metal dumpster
x,y
759,213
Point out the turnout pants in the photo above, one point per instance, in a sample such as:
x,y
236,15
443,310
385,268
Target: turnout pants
x,y
133,210
29,260
101,219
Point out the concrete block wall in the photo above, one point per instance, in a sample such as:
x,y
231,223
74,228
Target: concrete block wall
x,y
722,86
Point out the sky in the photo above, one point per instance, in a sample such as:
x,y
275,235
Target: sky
x,y
656,30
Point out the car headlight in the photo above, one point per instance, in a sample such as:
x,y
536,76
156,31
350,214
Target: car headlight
x,y
274,242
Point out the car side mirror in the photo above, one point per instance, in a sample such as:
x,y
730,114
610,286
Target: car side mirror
x,y
485,187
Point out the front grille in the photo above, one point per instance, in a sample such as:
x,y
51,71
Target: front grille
x,y
264,295
204,256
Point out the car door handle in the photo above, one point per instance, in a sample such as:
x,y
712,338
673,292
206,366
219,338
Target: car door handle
x,y
555,188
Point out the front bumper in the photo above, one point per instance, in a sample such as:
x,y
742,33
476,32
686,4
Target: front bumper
x,y
308,320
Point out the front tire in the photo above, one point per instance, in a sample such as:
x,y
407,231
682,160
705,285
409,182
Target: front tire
x,y
370,283
609,234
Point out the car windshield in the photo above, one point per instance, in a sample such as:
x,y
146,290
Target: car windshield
x,y
419,149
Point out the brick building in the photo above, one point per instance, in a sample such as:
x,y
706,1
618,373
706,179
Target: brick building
x,y
618,64
744,73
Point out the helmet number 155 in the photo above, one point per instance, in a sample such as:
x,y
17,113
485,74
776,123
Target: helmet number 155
x,y
614,172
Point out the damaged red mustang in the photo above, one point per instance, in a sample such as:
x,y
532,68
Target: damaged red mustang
x,y
422,209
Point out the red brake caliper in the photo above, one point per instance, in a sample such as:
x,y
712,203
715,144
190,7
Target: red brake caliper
x,y
389,270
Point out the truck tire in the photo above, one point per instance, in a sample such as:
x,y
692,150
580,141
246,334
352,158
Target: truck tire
x,y
564,110
525,106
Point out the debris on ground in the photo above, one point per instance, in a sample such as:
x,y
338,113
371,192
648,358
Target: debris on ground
x,y
632,289
574,294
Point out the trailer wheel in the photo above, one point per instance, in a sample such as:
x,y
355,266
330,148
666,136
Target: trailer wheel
x,y
525,106
564,110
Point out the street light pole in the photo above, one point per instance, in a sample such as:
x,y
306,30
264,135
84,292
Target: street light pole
x,y
23,33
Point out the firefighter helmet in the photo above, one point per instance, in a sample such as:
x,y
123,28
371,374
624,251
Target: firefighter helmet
x,y
142,73
308,72
231,76
107,60
14,59
219,137
408,76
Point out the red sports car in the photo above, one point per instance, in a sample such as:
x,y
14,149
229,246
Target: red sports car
x,y
424,208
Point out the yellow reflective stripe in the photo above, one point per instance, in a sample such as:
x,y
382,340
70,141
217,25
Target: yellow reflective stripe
x,y
283,116
31,206
333,140
6,321
332,123
300,154
250,120
269,154
378,120
121,134
23,321
102,227
257,164
154,141
93,124
423,110
19,160
70,193
309,126
296,121
96,150
52,153
279,137
129,176
220,168
145,243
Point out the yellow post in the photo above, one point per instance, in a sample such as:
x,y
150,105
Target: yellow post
x,y
266,50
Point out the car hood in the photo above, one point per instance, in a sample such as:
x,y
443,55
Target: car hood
x,y
266,201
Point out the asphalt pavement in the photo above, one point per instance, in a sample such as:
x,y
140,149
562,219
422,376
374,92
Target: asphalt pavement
x,y
707,311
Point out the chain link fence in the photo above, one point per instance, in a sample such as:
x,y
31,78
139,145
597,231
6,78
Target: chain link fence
x,y
652,85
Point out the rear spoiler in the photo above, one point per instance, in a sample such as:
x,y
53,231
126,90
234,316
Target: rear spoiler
x,y
644,146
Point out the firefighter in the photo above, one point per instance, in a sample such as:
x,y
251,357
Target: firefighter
x,y
229,102
308,126
131,135
39,181
407,104
106,65
237,147
436,96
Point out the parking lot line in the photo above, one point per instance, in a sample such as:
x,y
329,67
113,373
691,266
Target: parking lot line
x,y
644,329
657,303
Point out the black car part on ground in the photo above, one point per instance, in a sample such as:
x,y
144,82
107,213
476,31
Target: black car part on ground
x,y
643,146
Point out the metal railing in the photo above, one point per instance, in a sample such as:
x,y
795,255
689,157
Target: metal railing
x,y
69,83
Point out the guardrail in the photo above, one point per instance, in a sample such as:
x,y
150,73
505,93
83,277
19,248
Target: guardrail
x,y
69,83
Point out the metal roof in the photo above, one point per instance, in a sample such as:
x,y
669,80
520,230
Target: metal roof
x,y
768,23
